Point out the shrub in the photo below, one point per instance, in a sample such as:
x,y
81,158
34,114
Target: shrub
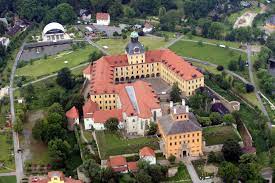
x,y
249,88
220,68
172,159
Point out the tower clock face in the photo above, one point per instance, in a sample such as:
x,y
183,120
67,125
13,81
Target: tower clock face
x,y
136,49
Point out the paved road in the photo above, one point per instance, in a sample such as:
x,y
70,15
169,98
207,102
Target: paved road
x,y
17,156
256,91
96,45
173,41
7,174
84,138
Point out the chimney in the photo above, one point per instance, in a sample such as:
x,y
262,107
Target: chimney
x,y
175,111
187,109
182,102
171,104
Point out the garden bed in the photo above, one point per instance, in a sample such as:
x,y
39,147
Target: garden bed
x,y
219,134
110,144
200,167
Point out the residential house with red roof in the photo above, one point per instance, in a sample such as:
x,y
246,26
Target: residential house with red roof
x,y
103,18
148,154
72,117
119,164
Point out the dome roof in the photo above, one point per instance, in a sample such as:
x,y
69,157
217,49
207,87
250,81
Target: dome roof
x,y
53,26
134,35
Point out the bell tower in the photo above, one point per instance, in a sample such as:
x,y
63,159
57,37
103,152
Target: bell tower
x,y
135,50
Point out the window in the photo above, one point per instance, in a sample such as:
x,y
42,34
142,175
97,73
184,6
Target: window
x,y
198,134
170,143
198,140
175,137
175,143
193,140
134,120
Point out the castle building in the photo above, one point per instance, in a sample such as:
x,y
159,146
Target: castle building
x,y
180,132
110,79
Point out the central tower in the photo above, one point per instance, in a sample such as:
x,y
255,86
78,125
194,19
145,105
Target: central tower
x,y
135,50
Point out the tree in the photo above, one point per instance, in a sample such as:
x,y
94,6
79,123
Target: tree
x,y
162,11
116,9
3,28
216,30
220,68
249,169
175,94
249,88
108,175
270,42
56,108
129,12
59,150
31,10
215,118
232,65
169,21
172,158
241,63
65,79
228,119
211,158
39,130
204,121
95,55
231,150
112,124
152,129
64,13
143,177
229,172
91,169
18,126
204,24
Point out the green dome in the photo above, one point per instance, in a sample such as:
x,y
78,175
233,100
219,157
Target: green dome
x,y
134,35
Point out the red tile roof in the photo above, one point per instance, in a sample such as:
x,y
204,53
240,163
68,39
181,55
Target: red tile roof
x,y
102,116
132,166
145,96
72,113
116,161
88,69
58,174
89,108
146,151
102,16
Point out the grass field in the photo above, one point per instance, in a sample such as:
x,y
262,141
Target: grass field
x,y
113,144
52,64
214,41
213,54
117,46
8,179
6,151
181,175
219,134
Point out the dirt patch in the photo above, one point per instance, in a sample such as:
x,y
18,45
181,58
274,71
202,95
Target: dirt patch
x,y
245,20
211,168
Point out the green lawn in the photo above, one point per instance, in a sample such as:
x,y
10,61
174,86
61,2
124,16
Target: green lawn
x,y
181,175
114,144
117,46
8,179
219,134
88,135
6,151
209,53
54,63
214,41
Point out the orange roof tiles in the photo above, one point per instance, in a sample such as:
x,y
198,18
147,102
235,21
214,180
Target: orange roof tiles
x,y
57,174
116,161
132,166
146,151
72,113
89,108
88,69
102,16
144,96
102,116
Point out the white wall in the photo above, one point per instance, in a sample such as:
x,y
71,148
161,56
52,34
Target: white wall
x,y
89,123
103,22
151,159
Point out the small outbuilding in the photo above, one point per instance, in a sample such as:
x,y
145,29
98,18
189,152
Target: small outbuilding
x,y
72,117
148,154
103,18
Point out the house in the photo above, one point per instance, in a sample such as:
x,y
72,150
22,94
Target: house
x,y
103,18
118,164
72,117
148,154
53,177
180,132
54,32
148,28
4,41
85,15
